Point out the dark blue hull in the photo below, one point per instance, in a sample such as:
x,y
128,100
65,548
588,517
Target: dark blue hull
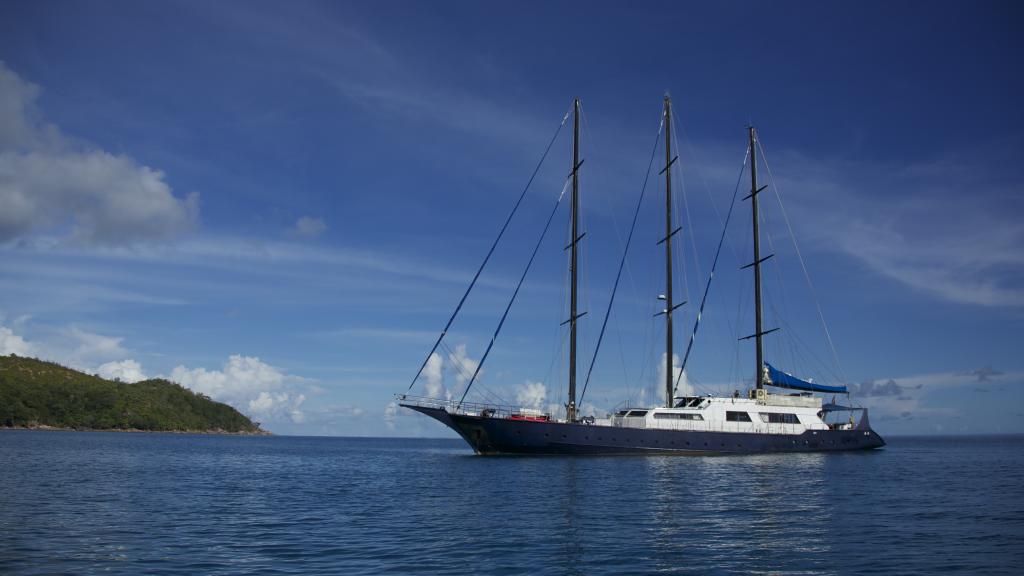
x,y
505,436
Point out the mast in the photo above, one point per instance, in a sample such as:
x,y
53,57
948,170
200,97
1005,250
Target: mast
x,y
668,251
759,373
570,409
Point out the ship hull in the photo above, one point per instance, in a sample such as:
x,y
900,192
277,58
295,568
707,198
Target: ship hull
x,y
491,436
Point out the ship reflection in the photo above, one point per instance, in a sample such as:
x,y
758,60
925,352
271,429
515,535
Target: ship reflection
x,y
744,511
573,518
701,514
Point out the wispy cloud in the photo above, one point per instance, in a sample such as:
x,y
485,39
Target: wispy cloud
x,y
449,108
384,334
223,252
949,227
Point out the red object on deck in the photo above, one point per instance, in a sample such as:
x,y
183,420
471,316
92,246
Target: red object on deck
x,y
529,418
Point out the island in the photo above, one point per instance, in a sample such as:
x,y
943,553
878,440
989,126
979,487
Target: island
x,y
45,395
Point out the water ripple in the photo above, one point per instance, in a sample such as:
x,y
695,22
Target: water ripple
x,y
174,504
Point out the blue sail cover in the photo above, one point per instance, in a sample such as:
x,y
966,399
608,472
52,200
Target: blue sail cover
x,y
780,379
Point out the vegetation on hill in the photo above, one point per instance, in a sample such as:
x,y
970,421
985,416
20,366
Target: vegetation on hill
x,y
37,393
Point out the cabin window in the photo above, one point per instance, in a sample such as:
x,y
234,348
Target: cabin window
x,y
737,416
678,416
637,413
776,418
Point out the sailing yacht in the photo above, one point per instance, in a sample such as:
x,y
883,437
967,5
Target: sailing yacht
x,y
778,413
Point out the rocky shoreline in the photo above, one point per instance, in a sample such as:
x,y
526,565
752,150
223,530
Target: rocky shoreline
x,y
215,431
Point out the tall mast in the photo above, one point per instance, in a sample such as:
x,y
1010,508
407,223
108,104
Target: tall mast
x,y
570,409
759,374
668,252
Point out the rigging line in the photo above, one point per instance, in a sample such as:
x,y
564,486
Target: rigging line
x,y
686,207
826,370
797,346
714,264
615,221
594,152
696,167
781,311
547,225
622,263
464,375
490,252
807,276
742,301
455,362
683,269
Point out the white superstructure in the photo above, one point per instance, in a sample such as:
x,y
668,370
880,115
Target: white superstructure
x,y
763,414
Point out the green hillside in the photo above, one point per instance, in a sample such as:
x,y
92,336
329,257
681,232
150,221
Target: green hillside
x,y
38,393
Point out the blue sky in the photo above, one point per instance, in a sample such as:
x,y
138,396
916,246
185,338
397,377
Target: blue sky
x,y
279,205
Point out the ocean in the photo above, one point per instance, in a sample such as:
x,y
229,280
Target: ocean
x,y
124,503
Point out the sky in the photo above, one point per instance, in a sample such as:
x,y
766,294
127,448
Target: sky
x,y
279,204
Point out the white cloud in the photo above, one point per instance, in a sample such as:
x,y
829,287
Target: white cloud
x,y
309,227
433,378
248,384
391,413
531,395
11,343
52,183
123,370
589,409
463,365
684,388
277,406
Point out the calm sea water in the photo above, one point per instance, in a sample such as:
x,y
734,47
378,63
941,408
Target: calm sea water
x,y
115,503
